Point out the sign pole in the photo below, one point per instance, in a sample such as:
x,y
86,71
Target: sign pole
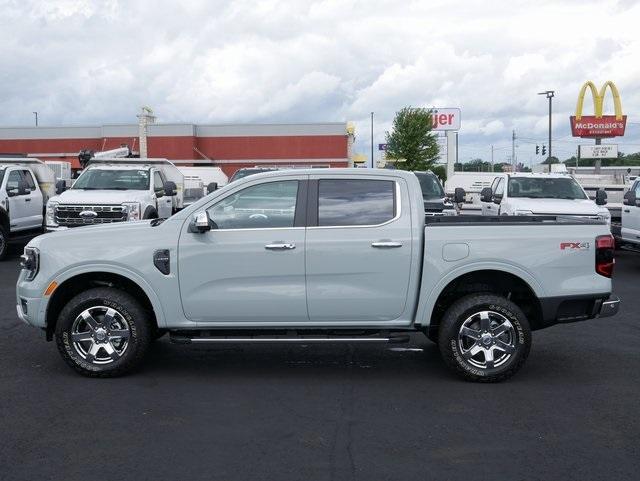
x,y
372,161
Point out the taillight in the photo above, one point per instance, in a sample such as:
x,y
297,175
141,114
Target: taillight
x,y
605,248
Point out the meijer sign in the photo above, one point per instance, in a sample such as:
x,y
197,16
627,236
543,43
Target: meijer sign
x,y
445,119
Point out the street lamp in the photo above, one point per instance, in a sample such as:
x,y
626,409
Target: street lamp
x,y
549,94
372,161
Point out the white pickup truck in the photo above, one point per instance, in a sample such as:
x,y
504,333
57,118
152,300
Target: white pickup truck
x,y
627,232
542,194
118,190
25,186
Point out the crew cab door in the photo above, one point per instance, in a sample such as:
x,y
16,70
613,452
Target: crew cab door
x,y
164,202
34,204
359,248
250,266
20,210
491,208
631,218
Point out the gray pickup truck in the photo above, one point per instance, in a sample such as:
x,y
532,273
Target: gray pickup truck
x,y
310,256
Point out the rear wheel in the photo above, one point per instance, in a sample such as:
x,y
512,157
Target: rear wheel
x,y
103,332
484,338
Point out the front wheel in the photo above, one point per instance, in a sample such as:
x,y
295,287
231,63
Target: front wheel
x,y
103,332
484,338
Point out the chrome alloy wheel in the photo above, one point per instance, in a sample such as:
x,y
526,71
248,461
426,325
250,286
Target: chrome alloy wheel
x,y
100,335
487,339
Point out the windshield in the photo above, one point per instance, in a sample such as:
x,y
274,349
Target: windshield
x,y
545,188
102,179
1,174
431,187
246,172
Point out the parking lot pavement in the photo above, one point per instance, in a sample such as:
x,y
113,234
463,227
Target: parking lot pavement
x,y
339,412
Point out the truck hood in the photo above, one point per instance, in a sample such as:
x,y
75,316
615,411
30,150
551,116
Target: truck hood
x,y
106,197
557,206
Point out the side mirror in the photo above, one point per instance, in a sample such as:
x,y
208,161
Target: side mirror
x,y
170,188
601,197
201,222
213,186
459,195
629,198
61,186
13,192
486,194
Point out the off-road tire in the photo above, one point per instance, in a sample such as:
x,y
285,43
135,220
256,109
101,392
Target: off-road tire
x,y
139,325
461,310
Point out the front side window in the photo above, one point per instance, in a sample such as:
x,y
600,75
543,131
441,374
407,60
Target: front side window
x,y
636,187
262,206
13,181
158,185
351,202
119,179
31,185
500,188
545,188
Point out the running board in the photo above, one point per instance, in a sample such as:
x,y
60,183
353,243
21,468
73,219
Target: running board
x,y
299,339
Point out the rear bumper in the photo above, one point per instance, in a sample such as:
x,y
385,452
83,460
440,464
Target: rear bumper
x,y
560,310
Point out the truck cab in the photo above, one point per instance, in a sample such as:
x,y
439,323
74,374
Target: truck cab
x,y
542,194
435,200
117,190
628,232
24,188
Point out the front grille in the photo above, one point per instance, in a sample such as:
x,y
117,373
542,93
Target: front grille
x,y
69,215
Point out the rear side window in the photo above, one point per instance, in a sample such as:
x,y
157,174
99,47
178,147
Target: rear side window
x,y
351,202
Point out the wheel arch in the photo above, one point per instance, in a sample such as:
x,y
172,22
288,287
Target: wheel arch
x,y
77,282
504,282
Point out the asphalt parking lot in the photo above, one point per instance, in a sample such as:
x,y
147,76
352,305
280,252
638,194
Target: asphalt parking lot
x,y
326,412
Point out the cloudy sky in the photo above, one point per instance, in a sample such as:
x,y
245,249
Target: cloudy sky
x,y
209,61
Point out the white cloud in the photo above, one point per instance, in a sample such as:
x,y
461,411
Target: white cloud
x,y
82,61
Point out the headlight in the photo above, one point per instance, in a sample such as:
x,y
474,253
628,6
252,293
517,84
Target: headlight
x,y
605,216
50,217
30,262
449,212
132,209
524,212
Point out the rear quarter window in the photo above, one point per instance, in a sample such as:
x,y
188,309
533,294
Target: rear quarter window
x,y
355,202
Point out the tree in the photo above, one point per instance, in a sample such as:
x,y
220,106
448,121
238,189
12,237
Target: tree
x,y
411,139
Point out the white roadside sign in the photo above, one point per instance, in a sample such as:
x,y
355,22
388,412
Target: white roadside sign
x,y
608,151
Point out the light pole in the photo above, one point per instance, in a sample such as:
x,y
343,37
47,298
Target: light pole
x,y
36,114
549,94
372,161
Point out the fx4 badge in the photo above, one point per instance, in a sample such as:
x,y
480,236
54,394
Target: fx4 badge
x,y
574,245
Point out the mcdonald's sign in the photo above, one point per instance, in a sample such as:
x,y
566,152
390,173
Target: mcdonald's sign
x,y
598,125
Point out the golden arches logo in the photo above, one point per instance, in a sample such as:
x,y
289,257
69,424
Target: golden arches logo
x,y
598,99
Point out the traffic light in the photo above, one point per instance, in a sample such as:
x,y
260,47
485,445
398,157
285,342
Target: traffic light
x,y
544,150
537,149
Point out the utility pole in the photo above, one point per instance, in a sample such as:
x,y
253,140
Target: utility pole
x,y
372,161
36,114
549,94
513,149
491,157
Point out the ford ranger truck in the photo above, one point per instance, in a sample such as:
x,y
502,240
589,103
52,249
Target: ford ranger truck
x,y
25,186
118,190
542,194
313,256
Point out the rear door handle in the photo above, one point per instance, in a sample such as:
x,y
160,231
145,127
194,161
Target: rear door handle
x,y
386,244
280,246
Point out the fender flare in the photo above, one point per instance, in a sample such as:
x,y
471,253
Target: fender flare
x,y
64,276
428,301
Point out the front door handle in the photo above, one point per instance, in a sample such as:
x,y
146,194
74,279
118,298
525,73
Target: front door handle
x,y
27,199
280,246
627,211
386,244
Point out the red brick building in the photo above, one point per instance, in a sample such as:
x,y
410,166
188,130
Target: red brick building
x,y
227,146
